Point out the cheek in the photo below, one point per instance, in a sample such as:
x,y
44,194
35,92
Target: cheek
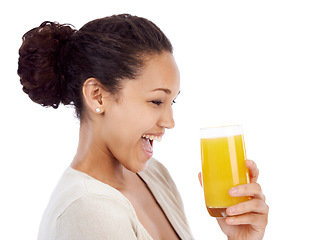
x,y
124,128
139,117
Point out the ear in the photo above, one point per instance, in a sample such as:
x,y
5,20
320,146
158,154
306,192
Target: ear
x,y
93,94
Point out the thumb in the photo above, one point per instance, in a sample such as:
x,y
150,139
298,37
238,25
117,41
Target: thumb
x,y
200,178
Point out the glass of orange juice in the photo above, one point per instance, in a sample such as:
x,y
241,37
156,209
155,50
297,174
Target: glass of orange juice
x,y
223,166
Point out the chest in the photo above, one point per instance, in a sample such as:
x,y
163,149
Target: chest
x,y
150,213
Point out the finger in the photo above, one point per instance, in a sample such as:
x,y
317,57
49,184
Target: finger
x,y
250,190
252,206
258,221
253,170
200,178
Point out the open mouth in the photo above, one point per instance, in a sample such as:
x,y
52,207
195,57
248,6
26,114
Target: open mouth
x,y
152,138
147,143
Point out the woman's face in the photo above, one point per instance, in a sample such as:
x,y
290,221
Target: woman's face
x,y
142,112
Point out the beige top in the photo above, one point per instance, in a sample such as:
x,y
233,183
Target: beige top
x,y
82,207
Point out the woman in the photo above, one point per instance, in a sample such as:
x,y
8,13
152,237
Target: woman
x,y
121,77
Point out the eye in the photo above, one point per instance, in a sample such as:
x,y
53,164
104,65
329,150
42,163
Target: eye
x,y
157,102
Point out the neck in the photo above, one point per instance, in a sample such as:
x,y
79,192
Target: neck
x,y
94,158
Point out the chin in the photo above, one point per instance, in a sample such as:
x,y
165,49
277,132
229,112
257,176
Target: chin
x,y
139,166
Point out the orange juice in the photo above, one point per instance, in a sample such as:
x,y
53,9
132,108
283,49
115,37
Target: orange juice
x,y
223,167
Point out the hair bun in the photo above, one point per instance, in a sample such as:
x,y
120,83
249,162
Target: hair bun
x,y
40,59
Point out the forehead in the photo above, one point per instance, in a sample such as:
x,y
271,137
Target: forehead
x,y
159,72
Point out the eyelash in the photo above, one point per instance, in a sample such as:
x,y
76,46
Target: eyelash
x,y
160,102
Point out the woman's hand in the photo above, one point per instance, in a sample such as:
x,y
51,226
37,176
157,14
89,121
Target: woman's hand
x,y
247,220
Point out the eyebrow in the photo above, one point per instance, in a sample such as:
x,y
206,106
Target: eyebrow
x,y
166,90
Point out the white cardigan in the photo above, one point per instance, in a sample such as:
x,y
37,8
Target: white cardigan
x,y
83,208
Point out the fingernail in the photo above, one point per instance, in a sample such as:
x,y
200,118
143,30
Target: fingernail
x,y
231,210
251,162
230,220
233,191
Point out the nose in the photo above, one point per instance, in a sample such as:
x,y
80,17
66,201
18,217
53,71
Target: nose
x,y
166,119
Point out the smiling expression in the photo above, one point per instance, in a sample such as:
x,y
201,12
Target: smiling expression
x,y
141,113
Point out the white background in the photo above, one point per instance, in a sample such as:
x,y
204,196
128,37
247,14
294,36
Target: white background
x,y
265,64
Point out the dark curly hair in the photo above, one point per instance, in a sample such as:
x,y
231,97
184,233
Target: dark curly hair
x,y
55,59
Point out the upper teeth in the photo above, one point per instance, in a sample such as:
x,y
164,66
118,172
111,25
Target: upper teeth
x,y
152,137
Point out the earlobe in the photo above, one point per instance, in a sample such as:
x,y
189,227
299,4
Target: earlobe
x,y
93,95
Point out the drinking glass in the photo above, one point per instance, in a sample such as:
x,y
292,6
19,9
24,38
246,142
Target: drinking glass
x,y
223,166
